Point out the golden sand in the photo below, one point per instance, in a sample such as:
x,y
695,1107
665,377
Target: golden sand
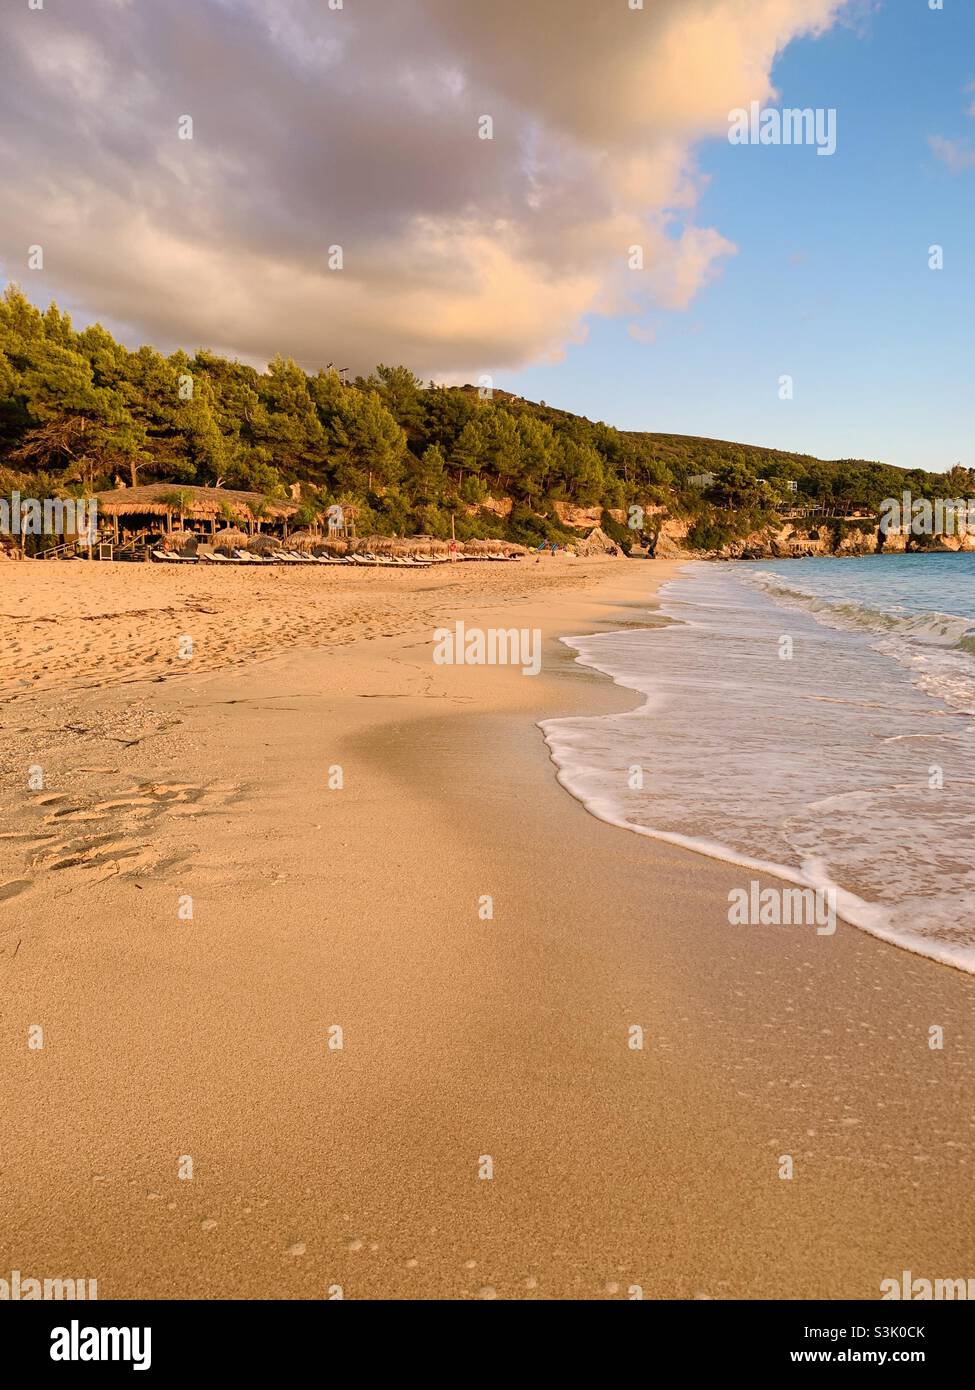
x,y
361,1168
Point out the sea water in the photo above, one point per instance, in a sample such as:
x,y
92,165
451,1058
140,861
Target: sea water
x,y
812,719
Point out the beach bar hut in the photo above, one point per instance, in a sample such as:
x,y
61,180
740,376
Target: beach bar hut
x,y
134,512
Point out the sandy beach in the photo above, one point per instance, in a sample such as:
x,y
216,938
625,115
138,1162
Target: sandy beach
x,y
360,1168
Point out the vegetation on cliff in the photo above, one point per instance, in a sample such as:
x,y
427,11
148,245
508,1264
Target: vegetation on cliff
x,y
80,412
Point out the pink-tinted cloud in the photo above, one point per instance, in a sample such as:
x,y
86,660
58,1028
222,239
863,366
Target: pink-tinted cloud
x,y
358,127
958,155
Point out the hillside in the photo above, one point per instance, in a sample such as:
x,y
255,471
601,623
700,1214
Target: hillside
x,y
81,412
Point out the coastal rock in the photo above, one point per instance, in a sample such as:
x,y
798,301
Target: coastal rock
x,y
598,543
858,542
672,539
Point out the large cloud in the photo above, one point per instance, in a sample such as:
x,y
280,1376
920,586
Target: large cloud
x,y
359,127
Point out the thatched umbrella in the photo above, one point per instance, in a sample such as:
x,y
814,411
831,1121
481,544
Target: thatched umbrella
x,y
304,540
493,547
183,542
399,545
231,539
428,545
263,545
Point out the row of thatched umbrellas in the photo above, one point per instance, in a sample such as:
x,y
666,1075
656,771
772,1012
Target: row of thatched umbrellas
x,y
231,538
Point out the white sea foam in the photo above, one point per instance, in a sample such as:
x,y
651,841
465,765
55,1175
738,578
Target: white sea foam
x,y
822,770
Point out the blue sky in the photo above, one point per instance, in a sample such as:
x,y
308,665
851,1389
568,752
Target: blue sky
x,y
831,281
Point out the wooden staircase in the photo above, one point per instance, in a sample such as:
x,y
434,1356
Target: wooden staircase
x,y
135,549
67,551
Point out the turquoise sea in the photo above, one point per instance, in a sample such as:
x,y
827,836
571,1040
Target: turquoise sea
x,y
814,719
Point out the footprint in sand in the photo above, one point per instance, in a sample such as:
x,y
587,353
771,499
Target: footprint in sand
x,y
101,860
70,814
129,814
13,888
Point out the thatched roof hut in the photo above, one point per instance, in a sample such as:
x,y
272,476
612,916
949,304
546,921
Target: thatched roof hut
x,y
139,506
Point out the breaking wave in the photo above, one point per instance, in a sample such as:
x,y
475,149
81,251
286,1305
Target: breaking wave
x,y
850,766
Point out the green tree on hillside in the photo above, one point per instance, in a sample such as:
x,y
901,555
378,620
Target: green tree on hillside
x,y
79,409
470,453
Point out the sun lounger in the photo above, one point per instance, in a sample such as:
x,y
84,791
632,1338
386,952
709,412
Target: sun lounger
x,y
206,552
170,557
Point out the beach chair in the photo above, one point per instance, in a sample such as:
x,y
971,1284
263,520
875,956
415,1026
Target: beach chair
x,y
170,557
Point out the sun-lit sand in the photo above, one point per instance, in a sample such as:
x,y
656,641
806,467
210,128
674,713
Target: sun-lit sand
x,y
174,787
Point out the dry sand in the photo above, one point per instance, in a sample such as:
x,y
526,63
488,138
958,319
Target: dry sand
x,y
313,907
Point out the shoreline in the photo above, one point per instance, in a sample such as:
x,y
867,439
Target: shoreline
x,y
850,908
463,1038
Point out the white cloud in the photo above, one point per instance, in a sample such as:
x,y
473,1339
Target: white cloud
x,y
359,127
